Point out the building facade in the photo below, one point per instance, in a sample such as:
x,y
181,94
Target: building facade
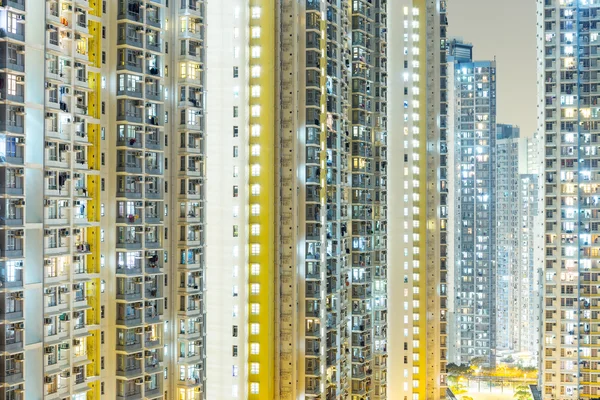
x,y
568,110
472,119
185,248
507,238
418,182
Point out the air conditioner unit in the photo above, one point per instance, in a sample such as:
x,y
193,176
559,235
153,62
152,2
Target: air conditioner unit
x,y
20,140
47,262
20,111
139,29
47,321
20,325
49,27
63,289
48,379
76,203
139,381
20,203
49,350
49,115
139,356
76,231
20,234
148,378
20,17
139,204
137,279
139,179
49,85
18,295
20,78
139,330
20,171
76,342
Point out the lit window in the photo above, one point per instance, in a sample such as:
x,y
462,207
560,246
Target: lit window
x,y
254,348
255,170
236,52
254,329
255,269
255,249
236,92
235,311
255,32
235,171
255,71
255,190
255,229
255,130
255,51
255,308
236,211
255,288
255,91
255,12
255,150
254,388
254,368
255,209
236,33
256,111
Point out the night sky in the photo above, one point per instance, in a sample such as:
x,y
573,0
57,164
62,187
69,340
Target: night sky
x,y
505,29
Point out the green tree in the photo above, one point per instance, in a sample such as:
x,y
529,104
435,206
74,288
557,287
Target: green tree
x,y
522,393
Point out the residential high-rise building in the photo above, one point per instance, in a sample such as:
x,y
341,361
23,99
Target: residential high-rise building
x,y
568,98
103,266
176,247
418,183
507,180
526,281
472,127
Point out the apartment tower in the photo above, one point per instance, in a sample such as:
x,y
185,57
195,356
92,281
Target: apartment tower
x,y
107,254
508,286
418,182
472,121
568,99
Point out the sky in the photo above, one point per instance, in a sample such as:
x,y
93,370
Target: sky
x,y
505,29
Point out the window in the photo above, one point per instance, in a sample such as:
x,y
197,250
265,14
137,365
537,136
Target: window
x,y
235,331
103,57
255,189
255,32
255,91
255,170
236,72
102,210
255,12
254,329
255,130
235,111
254,388
255,249
235,231
255,289
255,71
255,51
236,131
103,133
103,32
235,151
255,269
255,209
255,308
235,171
234,351
102,184
255,110
255,229
254,368
234,371
254,348
235,191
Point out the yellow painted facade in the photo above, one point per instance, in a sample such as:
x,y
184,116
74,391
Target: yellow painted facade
x,y
266,201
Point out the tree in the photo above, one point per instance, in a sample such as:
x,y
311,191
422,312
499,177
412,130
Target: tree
x,y
522,393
